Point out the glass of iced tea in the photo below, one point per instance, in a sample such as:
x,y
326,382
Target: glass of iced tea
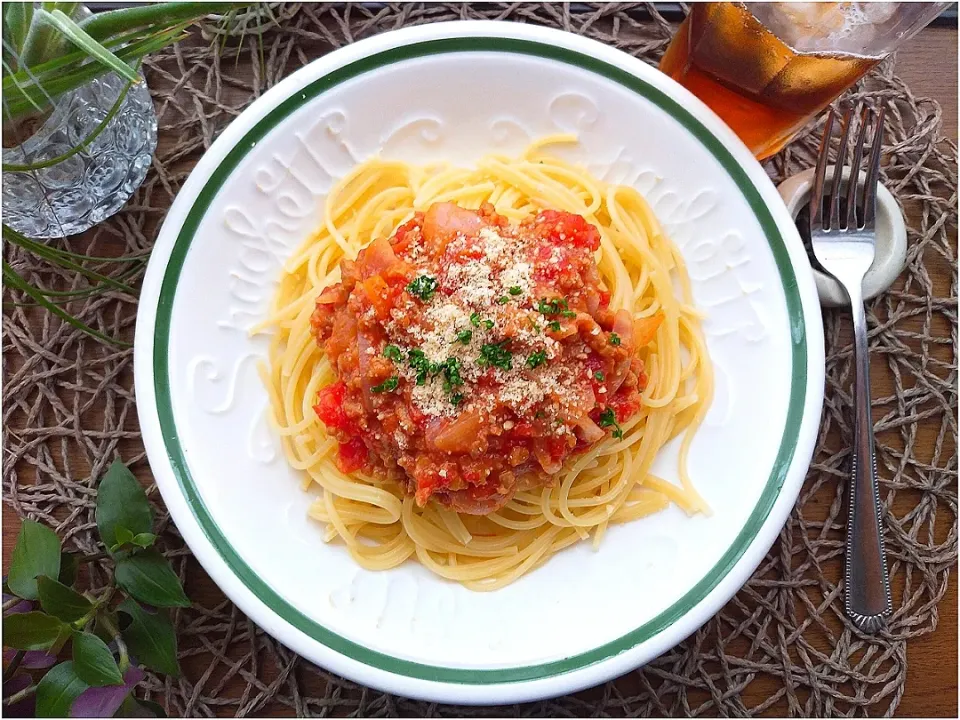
x,y
768,68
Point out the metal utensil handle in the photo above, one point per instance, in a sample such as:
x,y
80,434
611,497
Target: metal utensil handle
x,y
867,583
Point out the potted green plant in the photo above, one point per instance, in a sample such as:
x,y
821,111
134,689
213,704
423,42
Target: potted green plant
x,y
70,650
79,127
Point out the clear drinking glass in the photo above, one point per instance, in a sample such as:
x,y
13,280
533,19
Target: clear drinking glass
x,y
768,68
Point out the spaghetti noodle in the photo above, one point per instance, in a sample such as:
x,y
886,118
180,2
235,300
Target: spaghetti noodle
x,y
610,482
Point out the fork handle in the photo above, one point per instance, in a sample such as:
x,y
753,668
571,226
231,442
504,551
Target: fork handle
x,y
867,601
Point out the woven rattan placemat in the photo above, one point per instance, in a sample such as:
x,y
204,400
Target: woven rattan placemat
x,y
782,645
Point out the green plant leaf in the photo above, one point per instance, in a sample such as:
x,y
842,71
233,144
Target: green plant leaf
x,y
94,134
12,278
123,536
21,93
135,708
153,707
93,662
121,502
17,238
37,92
144,540
105,24
57,690
130,708
37,552
68,568
8,56
148,577
150,637
31,631
79,37
17,17
65,64
62,601
65,296
42,42
59,257
67,8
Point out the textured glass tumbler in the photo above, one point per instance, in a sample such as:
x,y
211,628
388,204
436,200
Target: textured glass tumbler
x,y
75,194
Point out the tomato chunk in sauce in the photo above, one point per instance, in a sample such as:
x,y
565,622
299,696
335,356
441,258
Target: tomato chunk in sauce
x,y
474,355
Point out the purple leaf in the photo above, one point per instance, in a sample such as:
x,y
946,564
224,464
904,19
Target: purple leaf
x,y
36,659
32,659
23,606
16,684
100,702
24,708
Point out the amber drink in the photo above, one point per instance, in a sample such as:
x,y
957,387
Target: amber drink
x,y
767,68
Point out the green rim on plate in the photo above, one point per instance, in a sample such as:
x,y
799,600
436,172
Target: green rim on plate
x,y
398,666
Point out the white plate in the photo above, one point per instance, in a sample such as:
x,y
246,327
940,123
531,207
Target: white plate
x,y
455,92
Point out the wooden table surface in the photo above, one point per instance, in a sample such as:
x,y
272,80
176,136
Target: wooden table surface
x,y
928,64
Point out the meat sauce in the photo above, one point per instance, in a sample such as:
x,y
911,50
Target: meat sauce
x,y
474,356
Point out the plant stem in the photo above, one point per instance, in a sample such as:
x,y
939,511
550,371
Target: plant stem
x,y
108,23
124,657
95,606
106,596
22,695
15,663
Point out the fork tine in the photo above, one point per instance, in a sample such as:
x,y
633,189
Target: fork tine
x,y
838,172
873,174
816,192
854,181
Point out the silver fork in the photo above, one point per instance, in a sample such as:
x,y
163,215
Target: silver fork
x,y
845,248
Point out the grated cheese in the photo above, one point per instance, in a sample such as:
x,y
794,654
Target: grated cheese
x,y
472,287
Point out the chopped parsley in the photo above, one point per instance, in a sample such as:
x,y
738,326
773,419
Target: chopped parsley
x,y
464,336
418,361
476,322
392,352
456,399
608,419
503,300
599,376
496,355
555,326
424,287
556,306
451,374
426,369
388,385
614,339
515,290
536,359
568,314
